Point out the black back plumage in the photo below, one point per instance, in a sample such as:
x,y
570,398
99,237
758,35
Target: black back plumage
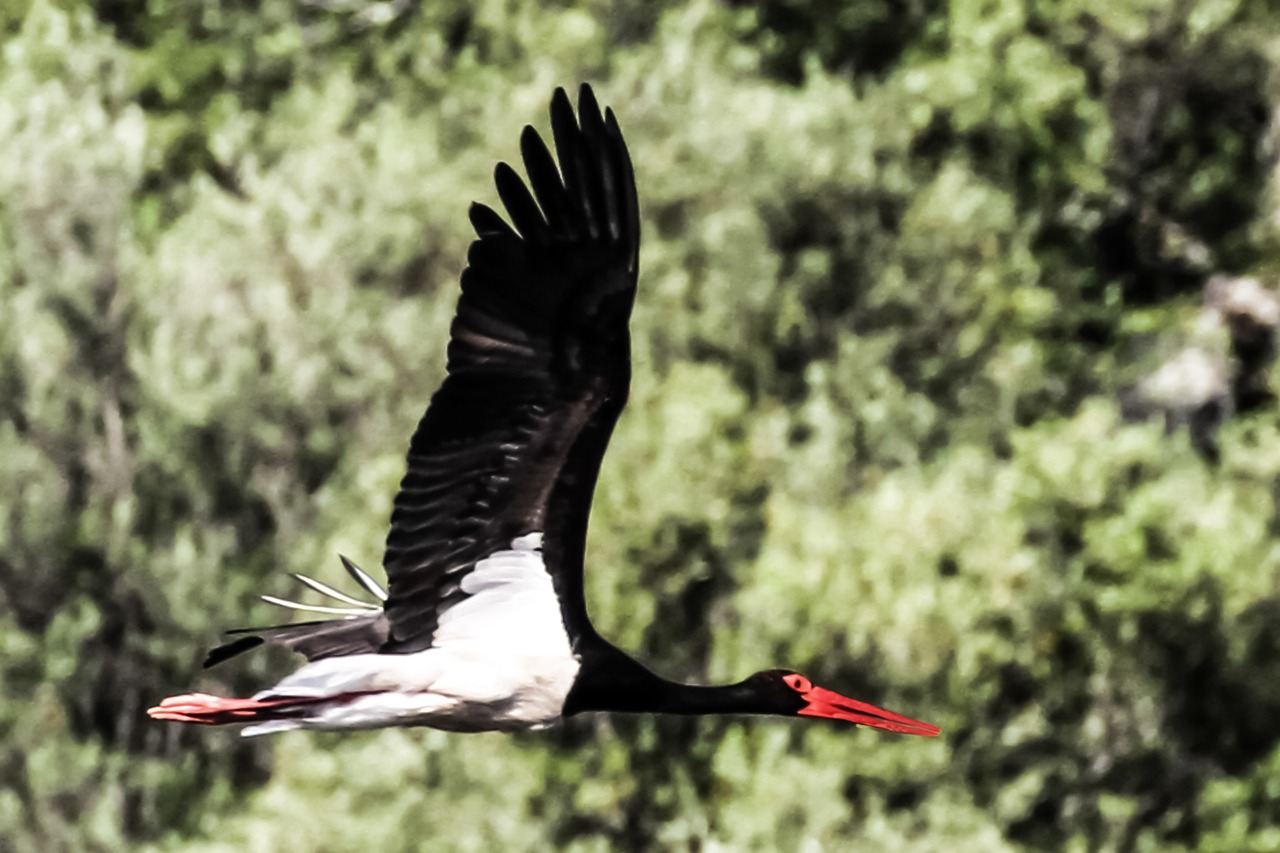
x,y
539,368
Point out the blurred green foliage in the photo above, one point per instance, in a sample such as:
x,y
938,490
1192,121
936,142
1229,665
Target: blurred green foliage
x,y
898,259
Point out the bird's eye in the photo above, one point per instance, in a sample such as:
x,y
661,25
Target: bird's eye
x,y
797,682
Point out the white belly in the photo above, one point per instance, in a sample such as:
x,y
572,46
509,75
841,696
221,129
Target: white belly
x,y
433,688
500,660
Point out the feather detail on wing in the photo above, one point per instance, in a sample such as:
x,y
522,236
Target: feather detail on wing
x,y
538,371
539,354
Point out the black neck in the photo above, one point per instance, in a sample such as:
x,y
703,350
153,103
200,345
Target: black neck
x,y
610,680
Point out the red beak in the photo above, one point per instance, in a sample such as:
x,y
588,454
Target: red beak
x,y
824,703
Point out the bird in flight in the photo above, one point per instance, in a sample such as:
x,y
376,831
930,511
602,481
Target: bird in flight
x,y
483,625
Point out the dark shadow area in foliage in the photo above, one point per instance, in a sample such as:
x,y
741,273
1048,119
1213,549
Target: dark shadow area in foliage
x,y
865,38
1189,121
1221,701
1222,680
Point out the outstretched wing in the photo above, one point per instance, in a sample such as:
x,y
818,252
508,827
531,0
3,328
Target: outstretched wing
x,y
538,371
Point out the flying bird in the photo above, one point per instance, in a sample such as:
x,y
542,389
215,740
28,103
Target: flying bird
x,y
483,625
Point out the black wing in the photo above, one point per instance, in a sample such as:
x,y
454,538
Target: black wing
x,y
539,365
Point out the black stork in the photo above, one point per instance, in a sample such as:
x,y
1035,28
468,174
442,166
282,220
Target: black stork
x,y
483,625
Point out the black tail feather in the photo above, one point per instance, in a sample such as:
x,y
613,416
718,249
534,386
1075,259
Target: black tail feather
x,y
314,640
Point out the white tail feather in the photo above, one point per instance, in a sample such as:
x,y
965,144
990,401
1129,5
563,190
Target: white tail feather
x,y
314,608
358,608
270,727
325,589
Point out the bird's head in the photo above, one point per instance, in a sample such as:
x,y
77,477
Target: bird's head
x,y
792,694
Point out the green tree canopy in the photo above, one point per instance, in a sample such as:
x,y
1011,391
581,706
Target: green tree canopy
x,y
899,259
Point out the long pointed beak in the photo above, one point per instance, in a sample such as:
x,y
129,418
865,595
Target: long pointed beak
x,y
825,703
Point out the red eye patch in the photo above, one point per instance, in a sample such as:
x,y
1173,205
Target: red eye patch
x,y
798,683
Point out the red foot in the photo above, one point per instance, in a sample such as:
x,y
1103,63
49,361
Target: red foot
x,y
216,710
